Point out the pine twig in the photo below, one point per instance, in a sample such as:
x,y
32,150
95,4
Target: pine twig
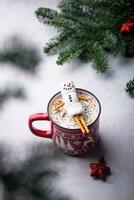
x,y
56,42
130,87
21,54
44,15
68,53
99,58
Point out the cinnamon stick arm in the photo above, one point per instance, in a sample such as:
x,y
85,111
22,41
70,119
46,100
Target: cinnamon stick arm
x,y
76,118
84,123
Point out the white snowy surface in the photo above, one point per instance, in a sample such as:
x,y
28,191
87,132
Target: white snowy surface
x,y
117,117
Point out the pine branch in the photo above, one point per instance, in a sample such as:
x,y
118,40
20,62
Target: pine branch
x,y
53,18
62,23
95,3
111,43
73,9
99,58
22,54
130,87
56,42
11,91
50,45
31,178
94,25
88,24
45,15
70,52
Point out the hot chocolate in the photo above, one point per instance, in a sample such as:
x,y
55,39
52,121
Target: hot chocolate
x,y
91,109
66,133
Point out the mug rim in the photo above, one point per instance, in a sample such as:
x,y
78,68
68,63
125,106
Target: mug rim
x,y
75,128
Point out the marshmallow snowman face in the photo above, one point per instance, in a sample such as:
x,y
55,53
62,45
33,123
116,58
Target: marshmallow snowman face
x,y
68,87
69,93
70,98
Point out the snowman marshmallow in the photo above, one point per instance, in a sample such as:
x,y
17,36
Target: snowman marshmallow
x,y
70,98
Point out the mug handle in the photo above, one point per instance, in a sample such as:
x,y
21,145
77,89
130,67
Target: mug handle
x,y
39,132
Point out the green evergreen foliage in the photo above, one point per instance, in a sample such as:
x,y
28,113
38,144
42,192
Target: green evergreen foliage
x,y
24,56
32,177
89,30
11,92
20,53
130,87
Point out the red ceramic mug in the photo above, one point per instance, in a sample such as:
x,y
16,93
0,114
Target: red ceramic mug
x,y
69,140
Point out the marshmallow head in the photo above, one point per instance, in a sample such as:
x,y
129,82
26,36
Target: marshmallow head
x,y
70,98
67,87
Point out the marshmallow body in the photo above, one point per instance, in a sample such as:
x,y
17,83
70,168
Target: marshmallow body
x,y
70,98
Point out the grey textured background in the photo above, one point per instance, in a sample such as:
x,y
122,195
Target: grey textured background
x,y
117,117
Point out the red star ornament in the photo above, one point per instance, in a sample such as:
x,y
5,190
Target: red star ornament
x,y
100,170
127,27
